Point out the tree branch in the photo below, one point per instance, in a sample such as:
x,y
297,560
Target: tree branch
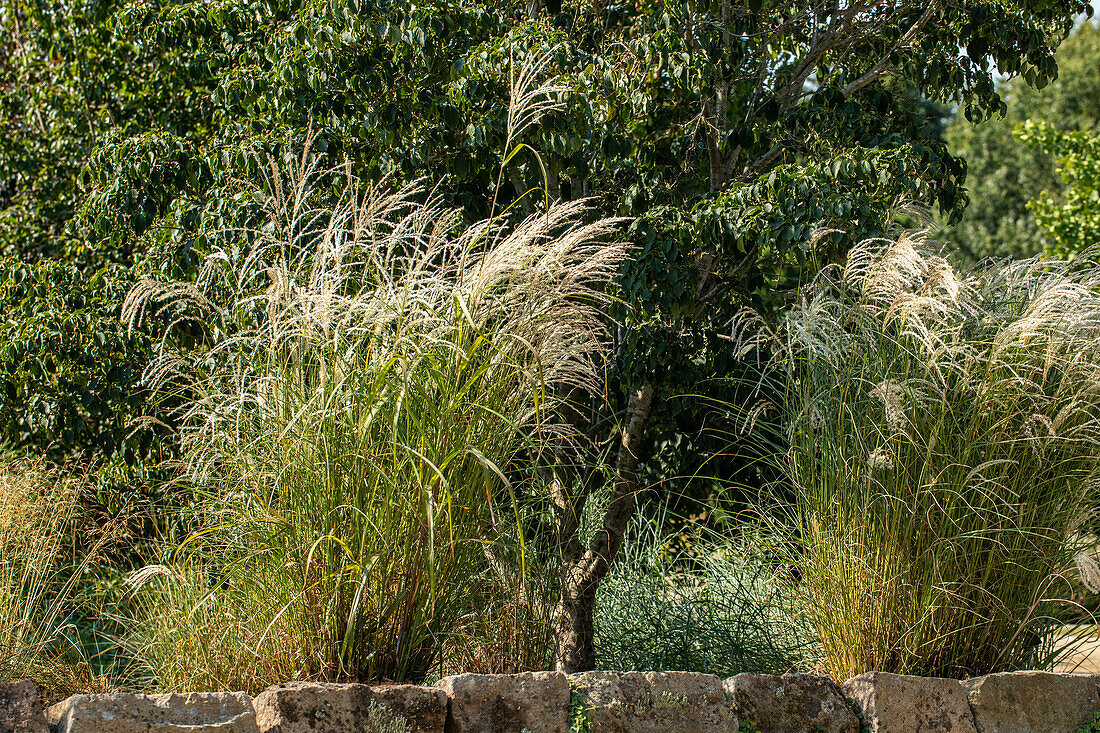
x,y
880,66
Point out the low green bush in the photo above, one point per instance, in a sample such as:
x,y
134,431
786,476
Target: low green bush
x,y
713,606
944,435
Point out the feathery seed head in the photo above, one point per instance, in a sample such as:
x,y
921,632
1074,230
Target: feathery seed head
x,y
893,399
880,460
1089,571
137,579
386,277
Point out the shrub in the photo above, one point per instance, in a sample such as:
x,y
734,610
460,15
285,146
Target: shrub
x,y
69,374
718,609
944,437
381,379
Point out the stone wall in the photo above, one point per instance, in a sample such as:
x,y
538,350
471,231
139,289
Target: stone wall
x,y
612,702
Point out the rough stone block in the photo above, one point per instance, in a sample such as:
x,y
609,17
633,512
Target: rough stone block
x,y
1022,702
898,703
314,707
20,708
191,712
655,702
791,703
536,702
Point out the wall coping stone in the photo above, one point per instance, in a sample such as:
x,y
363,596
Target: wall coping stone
x,y
655,702
20,708
791,703
1020,702
536,702
612,702
319,707
173,712
899,703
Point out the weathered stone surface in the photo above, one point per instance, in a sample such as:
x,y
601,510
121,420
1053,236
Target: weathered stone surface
x,y
537,702
1022,702
313,707
791,703
20,709
191,712
897,703
655,702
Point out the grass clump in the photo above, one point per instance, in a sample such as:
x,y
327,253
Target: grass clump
x,y
944,433
40,569
713,607
381,379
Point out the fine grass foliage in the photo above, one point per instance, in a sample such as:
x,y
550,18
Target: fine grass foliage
x,y
39,576
944,437
381,378
509,626
718,609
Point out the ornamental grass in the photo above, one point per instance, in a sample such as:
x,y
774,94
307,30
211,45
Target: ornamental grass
x,y
944,431
41,568
362,431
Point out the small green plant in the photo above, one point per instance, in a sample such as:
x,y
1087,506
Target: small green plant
x,y
1092,726
381,719
747,726
580,715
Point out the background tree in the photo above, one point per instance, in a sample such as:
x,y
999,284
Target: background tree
x,y
792,120
1070,220
1003,172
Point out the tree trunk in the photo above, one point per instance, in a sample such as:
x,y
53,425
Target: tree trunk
x,y
582,573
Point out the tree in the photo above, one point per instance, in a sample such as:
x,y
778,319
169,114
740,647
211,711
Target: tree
x,y
1071,220
750,144
1004,173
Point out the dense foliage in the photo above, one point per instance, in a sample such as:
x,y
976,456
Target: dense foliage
x,y
731,132
71,375
1005,173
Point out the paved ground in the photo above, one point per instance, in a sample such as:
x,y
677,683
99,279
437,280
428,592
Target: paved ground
x,y
1085,657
